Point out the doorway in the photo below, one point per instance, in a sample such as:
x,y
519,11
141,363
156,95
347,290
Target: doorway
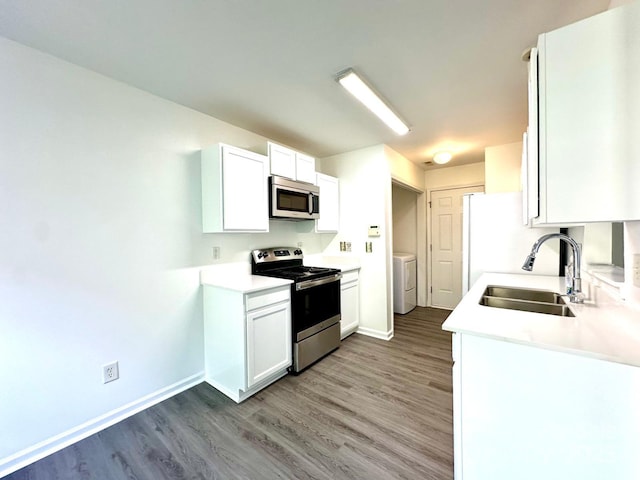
x,y
446,245
409,229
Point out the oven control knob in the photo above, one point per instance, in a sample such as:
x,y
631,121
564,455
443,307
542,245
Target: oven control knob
x,y
297,252
263,255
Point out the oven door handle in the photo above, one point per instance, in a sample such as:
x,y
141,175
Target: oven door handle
x,y
318,281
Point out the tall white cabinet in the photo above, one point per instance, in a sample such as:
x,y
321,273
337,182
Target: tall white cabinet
x,y
235,195
588,117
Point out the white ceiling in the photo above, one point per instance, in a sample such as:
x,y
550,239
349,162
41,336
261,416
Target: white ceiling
x,y
452,69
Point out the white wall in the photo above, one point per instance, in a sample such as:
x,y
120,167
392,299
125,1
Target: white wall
x,y
100,247
617,3
452,177
404,171
405,219
365,199
502,167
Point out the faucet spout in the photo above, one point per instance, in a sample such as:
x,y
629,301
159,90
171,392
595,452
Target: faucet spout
x,y
528,263
575,291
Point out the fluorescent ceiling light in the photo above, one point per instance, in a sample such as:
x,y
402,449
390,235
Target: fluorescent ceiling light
x,y
356,87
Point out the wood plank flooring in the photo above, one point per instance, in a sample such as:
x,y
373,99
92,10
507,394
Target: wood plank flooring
x,y
371,410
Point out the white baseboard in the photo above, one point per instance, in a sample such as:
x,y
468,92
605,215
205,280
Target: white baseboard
x,y
370,332
40,450
240,395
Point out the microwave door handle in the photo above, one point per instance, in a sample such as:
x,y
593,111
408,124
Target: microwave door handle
x,y
310,204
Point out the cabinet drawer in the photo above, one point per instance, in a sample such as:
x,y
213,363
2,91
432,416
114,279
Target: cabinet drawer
x,y
348,277
267,297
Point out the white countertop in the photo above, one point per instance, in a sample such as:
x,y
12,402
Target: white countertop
x,y
603,327
343,262
237,277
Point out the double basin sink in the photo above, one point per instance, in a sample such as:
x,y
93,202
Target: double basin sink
x,y
537,301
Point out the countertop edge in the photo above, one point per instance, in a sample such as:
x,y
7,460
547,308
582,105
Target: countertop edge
x,y
608,330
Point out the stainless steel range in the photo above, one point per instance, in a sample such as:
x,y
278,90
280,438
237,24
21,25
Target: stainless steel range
x,y
315,301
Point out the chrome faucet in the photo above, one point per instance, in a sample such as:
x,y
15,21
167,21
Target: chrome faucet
x,y
575,289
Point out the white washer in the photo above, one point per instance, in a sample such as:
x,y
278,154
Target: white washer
x,y
404,282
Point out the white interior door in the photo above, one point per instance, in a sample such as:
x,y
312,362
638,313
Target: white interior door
x,y
446,246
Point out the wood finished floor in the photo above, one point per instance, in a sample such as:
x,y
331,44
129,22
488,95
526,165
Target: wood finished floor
x,y
371,410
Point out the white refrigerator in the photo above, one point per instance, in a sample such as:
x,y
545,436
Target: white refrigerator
x,y
495,238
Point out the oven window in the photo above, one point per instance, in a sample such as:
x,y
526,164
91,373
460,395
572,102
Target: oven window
x,y
292,201
314,305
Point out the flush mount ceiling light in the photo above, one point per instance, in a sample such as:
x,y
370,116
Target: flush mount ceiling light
x,y
442,157
350,80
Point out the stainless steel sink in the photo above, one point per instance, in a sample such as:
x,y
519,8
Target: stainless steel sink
x,y
537,301
516,293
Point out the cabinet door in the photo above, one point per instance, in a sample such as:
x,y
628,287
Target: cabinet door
x,y
530,413
531,189
349,308
269,341
589,119
245,190
282,161
329,220
305,168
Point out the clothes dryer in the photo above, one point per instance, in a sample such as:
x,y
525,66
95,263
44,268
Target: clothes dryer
x,y
404,282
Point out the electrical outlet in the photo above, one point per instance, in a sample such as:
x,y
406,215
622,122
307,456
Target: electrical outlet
x,y
636,270
216,253
110,372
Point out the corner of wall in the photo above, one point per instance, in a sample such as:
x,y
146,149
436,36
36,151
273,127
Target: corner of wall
x,y
631,248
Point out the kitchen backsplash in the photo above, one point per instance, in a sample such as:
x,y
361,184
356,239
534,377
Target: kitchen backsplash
x,y
235,247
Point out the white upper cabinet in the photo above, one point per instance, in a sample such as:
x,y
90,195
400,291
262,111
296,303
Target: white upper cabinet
x,y
305,168
589,119
329,221
282,160
291,164
234,190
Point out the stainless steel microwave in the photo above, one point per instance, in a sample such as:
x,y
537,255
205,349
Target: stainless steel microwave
x,y
293,200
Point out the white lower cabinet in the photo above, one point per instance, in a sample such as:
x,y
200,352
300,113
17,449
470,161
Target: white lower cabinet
x,y
349,302
268,341
530,413
247,339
